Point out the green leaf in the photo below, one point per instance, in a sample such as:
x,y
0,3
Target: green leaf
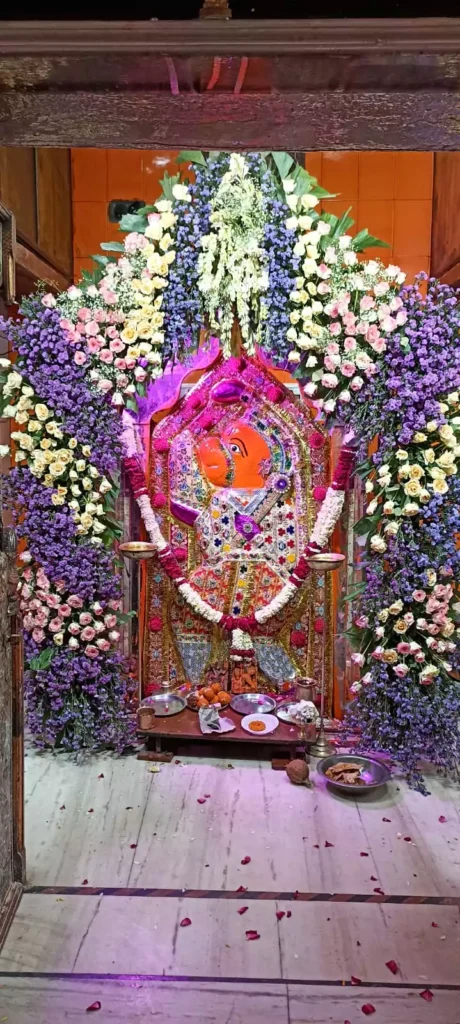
x,y
363,240
133,222
364,526
125,617
322,193
191,156
283,163
144,211
113,246
131,403
43,660
355,591
102,260
167,183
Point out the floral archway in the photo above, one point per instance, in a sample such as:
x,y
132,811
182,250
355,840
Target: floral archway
x,y
244,238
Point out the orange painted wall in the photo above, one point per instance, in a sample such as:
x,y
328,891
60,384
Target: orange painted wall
x,y
390,194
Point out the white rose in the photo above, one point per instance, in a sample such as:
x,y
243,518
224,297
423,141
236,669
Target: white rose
x,y
372,507
292,202
305,222
291,223
345,241
350,258
308,201
378,544
4,451
288,185
310,389
181,193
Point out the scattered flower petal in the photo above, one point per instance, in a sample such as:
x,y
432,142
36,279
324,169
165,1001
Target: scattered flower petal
x,y
364,855
442,819
201,800
101,776
62,807
246,860
316,846
94,1006
373,878
427,995
207,796
289,913
328,844
380,891
85,881
386,819
252,935
407,839
91,810
355,981
185,922
133,846
367,1009
392,966
242,910
280,914
434,925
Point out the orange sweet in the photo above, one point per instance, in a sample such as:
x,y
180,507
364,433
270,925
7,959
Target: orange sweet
x,y
224,697
257,726
208,693
216,687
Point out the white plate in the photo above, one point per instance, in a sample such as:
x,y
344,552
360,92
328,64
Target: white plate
x,y
270,722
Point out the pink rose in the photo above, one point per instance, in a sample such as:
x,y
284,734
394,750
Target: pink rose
x,y
356,384
114,636
34,604
104,384
28,575
115,605
75,601
348,368
105,355
349,344
52,600
55,625
403,647
38,635
80,358
99,315
85,618
41,617
130,363
84,314
367,302
323,271
93,345
64,610
358,659
48,300
88,633
433,630
379,346
401,317
330,363
92,328
66,325
112,332
103,645
400,670
120,364
25,591
110,621
97,608
110,297
74,337
74,628
28,622
432,604
389,323
116,345
323,288
419,657
395,304
419,595
335,329
377,653
332,348
362,621
91,652
60,585
372,333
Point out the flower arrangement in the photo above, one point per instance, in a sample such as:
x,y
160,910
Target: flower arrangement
x,y
245,238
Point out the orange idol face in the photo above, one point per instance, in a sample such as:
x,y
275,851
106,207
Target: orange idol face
x,y
235,460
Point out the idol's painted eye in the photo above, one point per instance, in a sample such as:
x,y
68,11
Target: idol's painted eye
x,y
235,448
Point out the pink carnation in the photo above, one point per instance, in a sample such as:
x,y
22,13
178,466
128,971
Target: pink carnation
x,y
55,625
75,601
85,618
64,611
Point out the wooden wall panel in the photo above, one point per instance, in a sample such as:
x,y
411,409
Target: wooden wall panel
x,y
445,260
55,207
17,187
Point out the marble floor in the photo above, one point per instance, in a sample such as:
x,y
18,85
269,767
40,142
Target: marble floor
x,y
131,828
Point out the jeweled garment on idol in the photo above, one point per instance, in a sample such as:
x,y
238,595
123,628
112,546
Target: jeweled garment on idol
x,y
238,470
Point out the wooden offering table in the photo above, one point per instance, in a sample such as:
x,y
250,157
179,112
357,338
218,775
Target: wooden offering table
x,y
185,728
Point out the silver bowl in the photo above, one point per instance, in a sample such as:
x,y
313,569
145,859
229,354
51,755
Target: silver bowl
x,y
374,773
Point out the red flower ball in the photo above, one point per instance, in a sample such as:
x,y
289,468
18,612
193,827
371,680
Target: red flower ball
x,y
319,493
180,554
160,444
155,624
159,500
317,440
274,394
319,626
298,638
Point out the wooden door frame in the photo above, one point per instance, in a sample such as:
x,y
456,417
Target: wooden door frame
x,y
299,85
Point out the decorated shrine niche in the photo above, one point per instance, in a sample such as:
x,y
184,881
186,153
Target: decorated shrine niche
x,y
237,475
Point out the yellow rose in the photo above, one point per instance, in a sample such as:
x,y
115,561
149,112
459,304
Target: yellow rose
x,y
57,469
416,472
383,615
440,486
135,284
145,329
446,459
170,257
429,456
419,437
62,490
34,425
57,499
48,457
129,334
400,626
48,480
168,219
86,521
133,352
166,242
64,456
412,489
45,443
146,286
431,426
390,657
42,412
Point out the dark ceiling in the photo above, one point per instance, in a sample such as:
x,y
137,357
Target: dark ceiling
x,y
270,9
